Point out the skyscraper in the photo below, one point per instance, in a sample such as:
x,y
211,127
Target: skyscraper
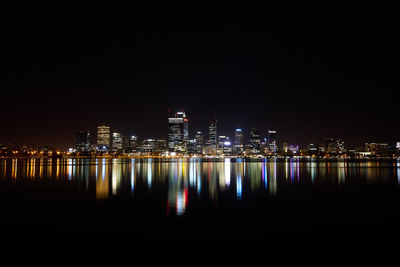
x,y
103,138
117,142
83,141
178,133
212,134
199,142
239,146
254,141
272,145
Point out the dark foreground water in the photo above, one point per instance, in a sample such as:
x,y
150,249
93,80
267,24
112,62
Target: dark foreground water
x,y
123,211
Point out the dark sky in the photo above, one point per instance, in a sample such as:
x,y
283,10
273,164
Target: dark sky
x,y
307,71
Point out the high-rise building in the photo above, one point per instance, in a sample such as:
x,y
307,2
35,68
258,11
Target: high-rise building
x,y
178,134
83,141
117,142
239,144
103,138
272,144
254,141
133,143
199,142
212,134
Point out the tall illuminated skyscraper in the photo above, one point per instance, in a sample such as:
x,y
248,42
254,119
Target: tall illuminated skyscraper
x,y
238,146
212,134
178,132
103,138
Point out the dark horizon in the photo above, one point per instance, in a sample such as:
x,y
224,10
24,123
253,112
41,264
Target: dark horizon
x,y
305,71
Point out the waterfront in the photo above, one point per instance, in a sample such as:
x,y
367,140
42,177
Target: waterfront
x,y
88,203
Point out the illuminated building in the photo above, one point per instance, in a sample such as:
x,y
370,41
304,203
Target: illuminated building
x,y
254,141
161,145
178,133
313,148
398,147
83,141
272,141
227,147
148,145
212,134
199,142
224,145
239,145
192,146
117,142
103,138
133,143
340,146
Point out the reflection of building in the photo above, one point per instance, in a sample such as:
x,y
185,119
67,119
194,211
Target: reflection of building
x,y
117,142
254,141
178,132
83,141
272,141
103,138
239,145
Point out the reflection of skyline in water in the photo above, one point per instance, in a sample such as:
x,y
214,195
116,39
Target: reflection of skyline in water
x,y
183,181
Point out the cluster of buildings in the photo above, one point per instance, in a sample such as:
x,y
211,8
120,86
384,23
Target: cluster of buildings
x,y
180,142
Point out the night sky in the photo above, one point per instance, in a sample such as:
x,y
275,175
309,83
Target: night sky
x,y
307,71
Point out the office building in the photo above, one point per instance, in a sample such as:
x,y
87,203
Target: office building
x,y
199,142
178,133
161,145
212,134
133,143
272,144
254,141
239,142
83,141
103,138
148,145
117,142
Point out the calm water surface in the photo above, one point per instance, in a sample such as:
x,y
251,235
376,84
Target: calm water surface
x,y
182,181
341,205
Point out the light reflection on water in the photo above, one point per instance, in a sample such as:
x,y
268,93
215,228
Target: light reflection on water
x,y
182,181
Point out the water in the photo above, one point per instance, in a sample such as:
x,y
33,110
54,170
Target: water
x,y
89,203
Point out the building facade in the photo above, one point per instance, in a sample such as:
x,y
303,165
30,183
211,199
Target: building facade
x,y
103,138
